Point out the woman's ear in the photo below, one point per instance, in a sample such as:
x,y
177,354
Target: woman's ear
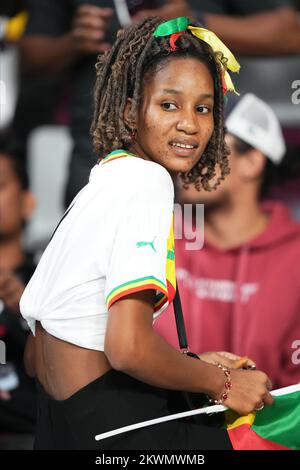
x,y
127,113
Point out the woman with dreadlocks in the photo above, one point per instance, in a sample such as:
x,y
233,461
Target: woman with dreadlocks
x,y
109,268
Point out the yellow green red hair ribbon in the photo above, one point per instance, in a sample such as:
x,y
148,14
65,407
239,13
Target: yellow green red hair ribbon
x,y
178,26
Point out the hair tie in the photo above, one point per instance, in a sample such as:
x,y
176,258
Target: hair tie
x,y
176,27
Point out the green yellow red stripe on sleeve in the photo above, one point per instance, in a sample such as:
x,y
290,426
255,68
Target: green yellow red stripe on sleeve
x,y
161,299
149,282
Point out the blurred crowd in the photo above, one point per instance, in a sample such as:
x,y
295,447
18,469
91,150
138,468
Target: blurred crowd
x,y
245,280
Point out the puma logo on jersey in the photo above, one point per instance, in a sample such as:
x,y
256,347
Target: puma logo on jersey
x,y
151,244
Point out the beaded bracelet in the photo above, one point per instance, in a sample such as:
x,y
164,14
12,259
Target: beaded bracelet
x,y
227,384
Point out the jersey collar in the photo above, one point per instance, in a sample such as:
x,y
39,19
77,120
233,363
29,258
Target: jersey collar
x,y
119,153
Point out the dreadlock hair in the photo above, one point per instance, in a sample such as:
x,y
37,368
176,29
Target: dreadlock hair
x,y
135,56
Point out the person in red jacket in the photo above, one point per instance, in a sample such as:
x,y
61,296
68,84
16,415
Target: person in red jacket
x,y
241,291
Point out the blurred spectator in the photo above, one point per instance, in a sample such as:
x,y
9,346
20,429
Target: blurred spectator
x,y
256,28
64,37
17,390
241,291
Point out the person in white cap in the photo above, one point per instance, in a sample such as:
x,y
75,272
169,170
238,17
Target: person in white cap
x,y
241,291
254,122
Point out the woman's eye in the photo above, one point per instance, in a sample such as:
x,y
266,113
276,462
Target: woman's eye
x,y
169,106
203,109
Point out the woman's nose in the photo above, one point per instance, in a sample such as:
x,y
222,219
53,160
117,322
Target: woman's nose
x,y
187,123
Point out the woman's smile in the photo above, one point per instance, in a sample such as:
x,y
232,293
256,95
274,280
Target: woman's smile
x,y
183,147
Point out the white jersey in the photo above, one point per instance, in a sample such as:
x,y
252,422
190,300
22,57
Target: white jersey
x,y
116,239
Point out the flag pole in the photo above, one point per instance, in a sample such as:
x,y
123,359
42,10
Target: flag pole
x,y
186,414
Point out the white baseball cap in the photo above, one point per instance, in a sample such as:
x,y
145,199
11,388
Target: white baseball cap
x,y
253,121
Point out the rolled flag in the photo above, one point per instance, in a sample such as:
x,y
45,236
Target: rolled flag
x,y
275,427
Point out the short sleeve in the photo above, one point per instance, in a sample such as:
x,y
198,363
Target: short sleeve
x,y
142,254
48,17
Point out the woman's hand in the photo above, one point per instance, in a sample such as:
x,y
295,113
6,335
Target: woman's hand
x,y
250,391
230,360
89,27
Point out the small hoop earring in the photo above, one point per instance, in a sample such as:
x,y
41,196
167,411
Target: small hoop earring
x,y
133,135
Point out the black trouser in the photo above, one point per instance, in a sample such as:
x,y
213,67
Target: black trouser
x,y
112,401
